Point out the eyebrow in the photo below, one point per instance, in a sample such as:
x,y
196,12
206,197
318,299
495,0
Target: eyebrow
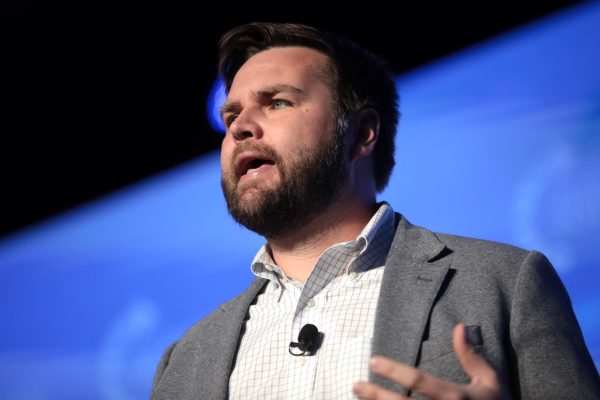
x,y
267,92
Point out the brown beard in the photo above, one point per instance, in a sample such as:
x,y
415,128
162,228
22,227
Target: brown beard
x,y
306,189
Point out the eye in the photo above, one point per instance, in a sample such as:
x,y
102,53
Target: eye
x,y
280,103
228,120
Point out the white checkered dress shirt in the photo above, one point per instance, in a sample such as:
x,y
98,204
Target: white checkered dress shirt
x,y
339,297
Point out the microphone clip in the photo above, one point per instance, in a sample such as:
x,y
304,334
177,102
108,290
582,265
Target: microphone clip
x,y
307,341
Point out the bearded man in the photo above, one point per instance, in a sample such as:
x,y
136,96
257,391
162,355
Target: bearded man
x,y
350,299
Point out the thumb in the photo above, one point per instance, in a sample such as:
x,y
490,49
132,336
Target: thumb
x,y
472,362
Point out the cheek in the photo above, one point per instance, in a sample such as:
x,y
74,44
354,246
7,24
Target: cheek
x,y
310,133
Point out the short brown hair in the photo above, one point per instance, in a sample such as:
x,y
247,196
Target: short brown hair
x,y
359,78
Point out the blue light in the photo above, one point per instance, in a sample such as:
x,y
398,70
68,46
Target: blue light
x,y
216,98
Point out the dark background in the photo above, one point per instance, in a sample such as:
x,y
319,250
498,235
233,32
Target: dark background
x,y
100,95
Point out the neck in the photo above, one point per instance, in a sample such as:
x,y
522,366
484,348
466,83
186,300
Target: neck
x,y
296,253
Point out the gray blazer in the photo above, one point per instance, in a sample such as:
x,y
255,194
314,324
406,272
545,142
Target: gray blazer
x,y
517,311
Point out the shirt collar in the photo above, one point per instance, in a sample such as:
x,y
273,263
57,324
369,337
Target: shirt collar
x,y
371,247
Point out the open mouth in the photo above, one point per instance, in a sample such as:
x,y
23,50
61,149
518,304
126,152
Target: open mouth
x,y
249,165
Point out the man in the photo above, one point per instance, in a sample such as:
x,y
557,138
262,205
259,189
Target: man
x,y
311,120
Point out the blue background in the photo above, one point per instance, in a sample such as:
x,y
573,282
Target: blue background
x,y
500,142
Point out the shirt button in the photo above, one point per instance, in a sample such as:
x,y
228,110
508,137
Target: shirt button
x,y
353,275
311,303
268,267
301,361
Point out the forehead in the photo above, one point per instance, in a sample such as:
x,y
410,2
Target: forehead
x,y
298,66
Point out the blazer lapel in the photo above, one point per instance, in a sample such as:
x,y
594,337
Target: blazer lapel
x,y
414,273
228,330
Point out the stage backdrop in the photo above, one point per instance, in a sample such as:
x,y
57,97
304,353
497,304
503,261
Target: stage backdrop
x,y
500,142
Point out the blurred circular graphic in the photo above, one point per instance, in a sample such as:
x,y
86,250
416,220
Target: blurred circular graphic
x,y
557,206
126,360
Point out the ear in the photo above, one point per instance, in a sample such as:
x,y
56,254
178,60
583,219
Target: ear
x,y
366,122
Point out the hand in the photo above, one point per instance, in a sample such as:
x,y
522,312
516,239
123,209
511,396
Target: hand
x,y
484,382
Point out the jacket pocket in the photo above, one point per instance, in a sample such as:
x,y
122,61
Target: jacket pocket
x,y
440,346
435,348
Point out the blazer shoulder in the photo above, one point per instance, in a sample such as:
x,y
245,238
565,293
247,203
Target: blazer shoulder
x,y
480,248
502,264
201,359
227,311
415,242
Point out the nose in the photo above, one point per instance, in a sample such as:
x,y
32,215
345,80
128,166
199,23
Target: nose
x,y
245,126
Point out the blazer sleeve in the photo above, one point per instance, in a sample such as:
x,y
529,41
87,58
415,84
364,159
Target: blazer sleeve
x,y
160,369
551,359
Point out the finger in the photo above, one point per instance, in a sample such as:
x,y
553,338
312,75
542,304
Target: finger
x,y
370,391
472,362
412,378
